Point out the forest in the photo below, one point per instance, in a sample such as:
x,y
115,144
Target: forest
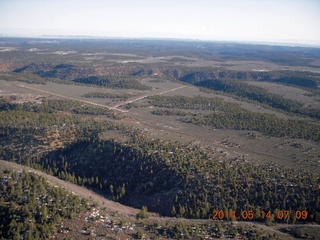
x,y
170,178
148,126
30,208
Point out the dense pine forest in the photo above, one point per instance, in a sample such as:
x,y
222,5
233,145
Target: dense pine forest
x,y
30,208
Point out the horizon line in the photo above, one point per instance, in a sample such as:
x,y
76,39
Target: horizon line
x,y
288,43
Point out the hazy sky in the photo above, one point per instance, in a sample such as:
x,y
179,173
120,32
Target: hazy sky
x,y
295,21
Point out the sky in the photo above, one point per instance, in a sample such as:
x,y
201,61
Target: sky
x,y
283,21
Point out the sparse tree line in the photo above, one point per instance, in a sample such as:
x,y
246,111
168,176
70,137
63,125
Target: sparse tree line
x,y
265,123
169,112
259,95
232,116
123,96
54,106
110,82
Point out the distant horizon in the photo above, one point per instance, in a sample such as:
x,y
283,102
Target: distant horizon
x,y
272,21
288,43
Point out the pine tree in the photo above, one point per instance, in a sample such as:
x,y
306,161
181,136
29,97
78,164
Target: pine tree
x,y
143,213
173,211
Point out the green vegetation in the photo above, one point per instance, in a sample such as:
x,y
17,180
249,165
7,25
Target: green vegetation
x,y
196,103
197,183
109,82
194,75
55,106
296,78
232,116
297,81
23,77
32,78
71,74
61,71
30,208
94,111
173,179
197,230
304,232
143,213
265,123
124,96
69,140
260,95
26,129
169,112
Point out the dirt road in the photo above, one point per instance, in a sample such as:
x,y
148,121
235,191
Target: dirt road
x,y
116,108
70,98
145,96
